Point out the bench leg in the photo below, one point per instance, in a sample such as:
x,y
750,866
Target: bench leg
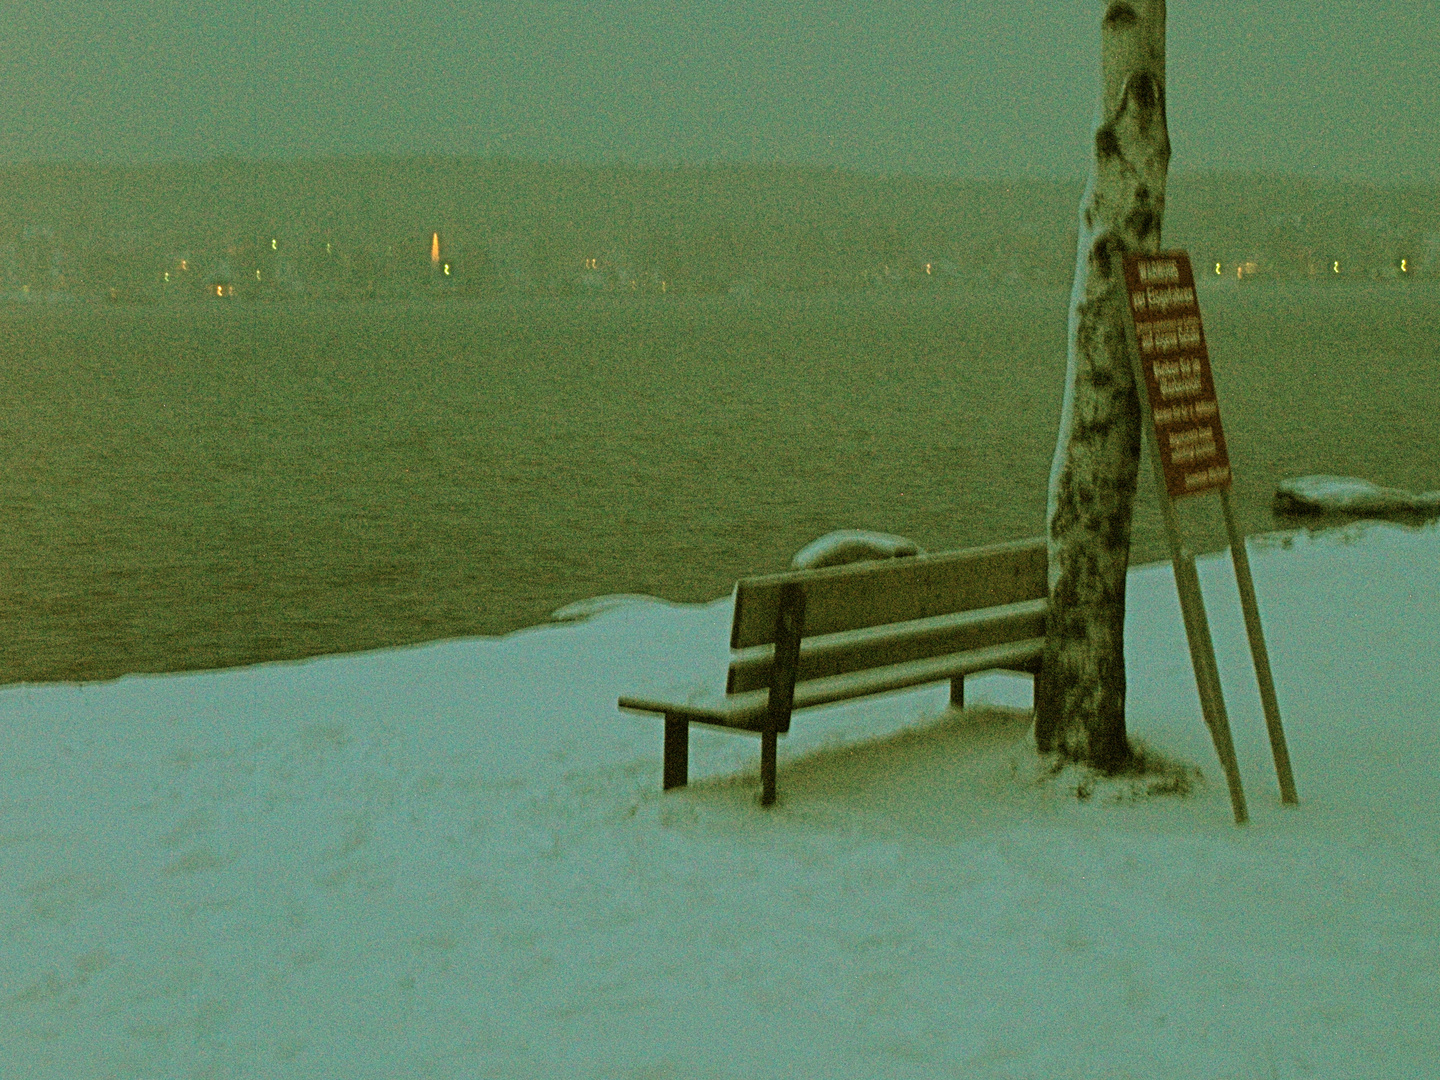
x,y
677,753
767,768
957,692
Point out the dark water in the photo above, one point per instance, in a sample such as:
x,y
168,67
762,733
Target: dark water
x,y
205,486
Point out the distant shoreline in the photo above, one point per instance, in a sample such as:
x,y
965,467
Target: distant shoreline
x,y
372,224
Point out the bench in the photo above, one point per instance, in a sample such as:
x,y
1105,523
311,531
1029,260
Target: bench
x,y
804,638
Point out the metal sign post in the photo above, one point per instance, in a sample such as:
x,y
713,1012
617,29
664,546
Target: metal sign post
x,y
1187,449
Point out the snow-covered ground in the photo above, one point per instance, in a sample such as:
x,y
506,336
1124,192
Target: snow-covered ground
x,y
455,861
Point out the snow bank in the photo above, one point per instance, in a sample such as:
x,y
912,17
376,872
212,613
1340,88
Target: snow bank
x,y
1347,494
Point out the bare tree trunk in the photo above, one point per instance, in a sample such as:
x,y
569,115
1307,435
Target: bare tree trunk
x,y
1080,695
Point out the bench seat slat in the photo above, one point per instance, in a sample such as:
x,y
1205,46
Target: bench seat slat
x,y
878,646
747,711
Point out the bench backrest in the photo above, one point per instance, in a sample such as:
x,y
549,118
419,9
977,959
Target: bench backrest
x,y
949,591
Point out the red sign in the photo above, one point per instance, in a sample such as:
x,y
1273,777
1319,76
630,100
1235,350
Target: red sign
x,y
1176,366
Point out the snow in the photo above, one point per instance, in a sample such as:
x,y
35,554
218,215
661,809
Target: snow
x,y
853,545
1348,494
455,861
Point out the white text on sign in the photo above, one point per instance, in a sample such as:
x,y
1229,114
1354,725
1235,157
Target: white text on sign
x,y
1185,412
1194,444
1178,378
1160,271
1215,476
1162,299
1169,335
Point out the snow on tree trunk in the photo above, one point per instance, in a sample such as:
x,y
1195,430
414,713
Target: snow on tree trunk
x,y
1080,695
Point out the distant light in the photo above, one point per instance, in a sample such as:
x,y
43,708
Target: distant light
x,y
1217,268
257,275
272,245
447,269
1404,269
167,275
1336,267
327,249
927,268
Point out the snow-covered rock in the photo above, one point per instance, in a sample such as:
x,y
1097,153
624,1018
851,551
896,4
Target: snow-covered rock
x,y
1315,494
852,545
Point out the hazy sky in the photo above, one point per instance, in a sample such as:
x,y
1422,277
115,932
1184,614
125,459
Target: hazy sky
x,y
1340,88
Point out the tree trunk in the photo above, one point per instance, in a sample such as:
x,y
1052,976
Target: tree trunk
x,y
1080,695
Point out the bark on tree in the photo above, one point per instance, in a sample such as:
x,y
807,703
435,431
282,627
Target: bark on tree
x,y
1080,694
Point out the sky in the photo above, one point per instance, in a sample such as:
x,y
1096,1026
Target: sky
x,y
455,861
1328,88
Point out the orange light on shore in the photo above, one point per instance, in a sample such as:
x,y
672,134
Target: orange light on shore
x,y
434,249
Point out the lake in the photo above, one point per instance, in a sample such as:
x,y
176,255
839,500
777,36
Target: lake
x,y
208,485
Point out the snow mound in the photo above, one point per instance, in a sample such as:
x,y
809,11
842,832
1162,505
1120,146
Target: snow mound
x,y
1317,494
852,545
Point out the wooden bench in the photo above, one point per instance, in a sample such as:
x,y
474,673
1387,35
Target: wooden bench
x,y
812,637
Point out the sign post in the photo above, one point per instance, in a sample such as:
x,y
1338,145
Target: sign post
x,y
1187,447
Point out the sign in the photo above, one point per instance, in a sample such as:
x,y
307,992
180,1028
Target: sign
x,y
1167,351
1176,367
